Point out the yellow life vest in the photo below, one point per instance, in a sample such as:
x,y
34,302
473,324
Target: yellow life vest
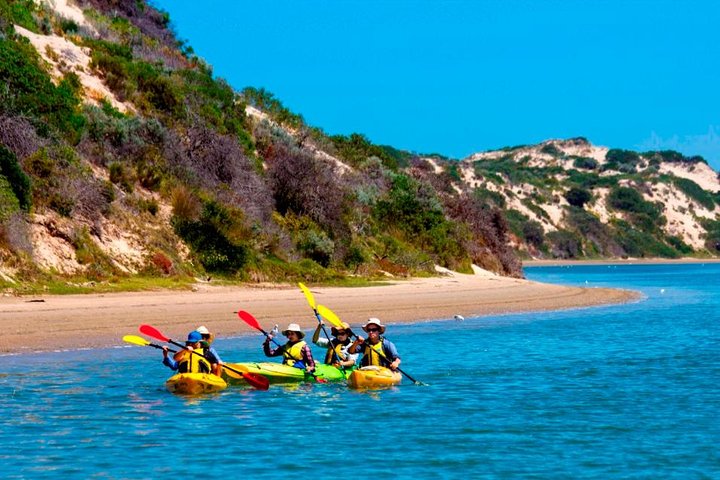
x,y
191,363
330,358
373,355
293,354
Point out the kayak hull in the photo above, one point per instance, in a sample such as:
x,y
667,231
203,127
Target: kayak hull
x,y
281,373
195,383
373,377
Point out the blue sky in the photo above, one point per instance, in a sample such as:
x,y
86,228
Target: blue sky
x,y
457,77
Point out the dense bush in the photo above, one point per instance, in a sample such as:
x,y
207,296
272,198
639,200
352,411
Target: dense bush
x,y
356,148
645,215
27,88
564,244
577,197
638,243
533,233
712,235
585,162
18,181
621,160
209,240
695,192
672,156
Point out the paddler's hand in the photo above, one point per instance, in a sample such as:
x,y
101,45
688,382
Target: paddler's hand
x,y
165,351
360,340
394,365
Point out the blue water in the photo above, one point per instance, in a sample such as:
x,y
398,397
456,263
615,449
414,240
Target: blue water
x,y
628,391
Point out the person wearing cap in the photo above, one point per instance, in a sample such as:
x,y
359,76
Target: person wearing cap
x,y
186,362
376,349
337,347
210,352
296,352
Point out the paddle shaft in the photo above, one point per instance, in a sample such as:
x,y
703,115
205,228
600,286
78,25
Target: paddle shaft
x,y
289,357
200,355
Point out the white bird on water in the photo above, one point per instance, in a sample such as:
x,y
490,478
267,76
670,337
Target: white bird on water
x,y
459,318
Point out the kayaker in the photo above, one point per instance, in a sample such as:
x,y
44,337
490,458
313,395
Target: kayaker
x,y
296,352
185,362
375,343
210,352
338,344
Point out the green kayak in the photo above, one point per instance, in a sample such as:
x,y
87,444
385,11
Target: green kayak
x,y
280,373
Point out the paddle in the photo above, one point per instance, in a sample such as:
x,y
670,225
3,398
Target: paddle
x,y
135,340
257,381
335,320
251,321
311,301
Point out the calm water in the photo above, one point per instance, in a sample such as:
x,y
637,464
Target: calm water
x,y
628,391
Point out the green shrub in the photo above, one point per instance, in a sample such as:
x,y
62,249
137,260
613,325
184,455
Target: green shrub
x,y
213,249
695,191
646,215
17,12
31,90
564,244
577,197
8,201
638,243
585,162
621,160
551,150
533,233
315,244
19,182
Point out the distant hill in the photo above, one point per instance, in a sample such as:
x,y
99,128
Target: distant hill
x,y
122,157
570,199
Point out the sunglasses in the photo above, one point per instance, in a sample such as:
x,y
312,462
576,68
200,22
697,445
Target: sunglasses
x,y
370,330
341,333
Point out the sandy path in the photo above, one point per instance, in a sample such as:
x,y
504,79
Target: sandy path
x,y
76,321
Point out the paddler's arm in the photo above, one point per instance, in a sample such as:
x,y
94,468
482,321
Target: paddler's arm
x,y
167,361
308,358
269,352
389,347
356,344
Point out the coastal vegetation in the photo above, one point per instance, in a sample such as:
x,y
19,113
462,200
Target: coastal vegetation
x,y
141,167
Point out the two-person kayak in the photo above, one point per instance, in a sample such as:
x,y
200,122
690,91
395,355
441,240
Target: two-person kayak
x,y
281,373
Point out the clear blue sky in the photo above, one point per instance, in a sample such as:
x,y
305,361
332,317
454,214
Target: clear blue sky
x,y
457,77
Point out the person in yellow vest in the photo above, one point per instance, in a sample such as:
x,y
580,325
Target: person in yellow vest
x,y
185,362
339,344
295,352
210,352
375,347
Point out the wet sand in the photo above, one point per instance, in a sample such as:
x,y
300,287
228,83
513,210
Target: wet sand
x,y
46,323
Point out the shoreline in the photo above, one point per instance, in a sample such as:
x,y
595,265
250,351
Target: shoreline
x,y
620,261
49,323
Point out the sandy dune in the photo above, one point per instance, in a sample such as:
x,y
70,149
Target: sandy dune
x,y
76,321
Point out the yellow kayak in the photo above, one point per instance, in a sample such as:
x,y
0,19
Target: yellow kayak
x,y
195,383
373,377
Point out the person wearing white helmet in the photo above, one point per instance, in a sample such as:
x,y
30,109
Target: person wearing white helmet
x,y
210,352
376,349
296,352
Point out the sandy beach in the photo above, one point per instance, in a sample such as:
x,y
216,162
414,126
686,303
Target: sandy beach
x,y
47,323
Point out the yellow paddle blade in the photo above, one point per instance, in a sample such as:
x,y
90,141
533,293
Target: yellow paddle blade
x,y
308,295
135,340
329,315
